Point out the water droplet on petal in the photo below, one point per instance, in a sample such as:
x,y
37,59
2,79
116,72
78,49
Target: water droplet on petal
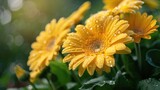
x,y
97,21
44,42
118,32
98,26
110,63
87,32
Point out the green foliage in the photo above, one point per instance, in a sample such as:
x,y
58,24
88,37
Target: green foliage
x,y
98,83
130,66
61,71
153,57
126,75
149,84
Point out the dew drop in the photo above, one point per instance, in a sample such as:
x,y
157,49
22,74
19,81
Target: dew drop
x,y
149,80
111,82
110,63
97,21
119,32
40,52
44,42
103,17
33,55
156,85
98,26
87,32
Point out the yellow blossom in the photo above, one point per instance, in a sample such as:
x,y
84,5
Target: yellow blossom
x,y
21,73
92,46
123,6
49,41
142,25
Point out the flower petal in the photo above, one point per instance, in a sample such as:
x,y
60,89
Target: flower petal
x,y
110,51
81,71
87,60
100,60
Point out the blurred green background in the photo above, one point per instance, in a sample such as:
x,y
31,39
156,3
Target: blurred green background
x,y
20,22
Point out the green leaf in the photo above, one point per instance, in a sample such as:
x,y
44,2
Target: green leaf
x,y
60,69
70,85
130,66
123,82
156,44
149,84
97,82
153,57
156,72
5,78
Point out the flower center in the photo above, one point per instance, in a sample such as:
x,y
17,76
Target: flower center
x,y
95,46
137,31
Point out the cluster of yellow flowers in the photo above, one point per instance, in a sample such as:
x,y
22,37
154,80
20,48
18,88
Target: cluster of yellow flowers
x,y
92,46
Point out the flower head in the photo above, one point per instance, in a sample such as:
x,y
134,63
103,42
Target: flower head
x,y
49,41
123,6
92,46
142,25
21,73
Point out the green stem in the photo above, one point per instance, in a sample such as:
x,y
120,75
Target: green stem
x,y
73,73
34,87
77,79
52,86
114,70
138,54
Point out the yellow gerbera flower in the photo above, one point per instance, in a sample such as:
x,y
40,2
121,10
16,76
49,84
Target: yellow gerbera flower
x,y
123,6
49,41
92,46
21,73
142,25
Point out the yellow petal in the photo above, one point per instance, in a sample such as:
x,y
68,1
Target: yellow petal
x,y
125,51
78,15
75,59
100,60
106,69
33,75
71,50
81,71
147,37
77,64
120,46
110,51
109,61
118,37
68,58
87,60
91,68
